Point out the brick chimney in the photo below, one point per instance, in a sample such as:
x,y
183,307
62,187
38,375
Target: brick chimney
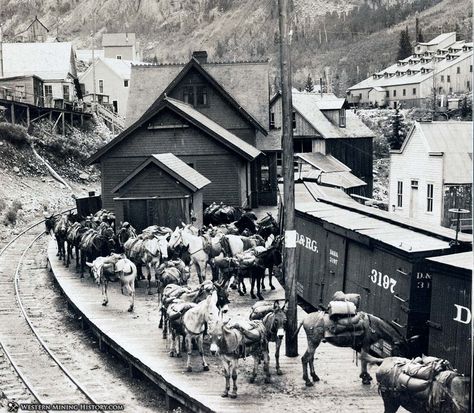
x,y
200,56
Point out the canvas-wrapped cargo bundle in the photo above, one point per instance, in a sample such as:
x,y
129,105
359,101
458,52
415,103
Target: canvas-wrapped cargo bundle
x,y
351,324
246,259
338,308
260,309
353,298
176,311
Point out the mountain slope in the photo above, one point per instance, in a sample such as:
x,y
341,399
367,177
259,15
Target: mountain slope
x,y
353,37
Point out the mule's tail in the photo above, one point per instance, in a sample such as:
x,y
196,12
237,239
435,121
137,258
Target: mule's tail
x,y
297,330
370,359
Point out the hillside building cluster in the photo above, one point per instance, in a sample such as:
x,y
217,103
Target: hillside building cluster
x,y
441,68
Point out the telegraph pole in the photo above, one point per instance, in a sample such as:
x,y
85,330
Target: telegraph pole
x,y
1,50
288,182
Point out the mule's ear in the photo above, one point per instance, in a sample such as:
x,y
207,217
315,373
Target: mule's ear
x,y
89,264
276,305
284,305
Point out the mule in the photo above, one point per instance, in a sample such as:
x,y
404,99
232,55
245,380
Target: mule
x,y
446,392
275,325
268,226
94,245
171,272
232,342
192,326
73,238
106,269
318,323
60,232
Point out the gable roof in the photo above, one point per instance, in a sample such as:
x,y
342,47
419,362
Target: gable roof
x,y
243,84
121,68
452,140
118,39
211,128
340,179
46,60
308,106
175,167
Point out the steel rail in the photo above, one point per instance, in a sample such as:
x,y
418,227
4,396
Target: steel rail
x,y
28,320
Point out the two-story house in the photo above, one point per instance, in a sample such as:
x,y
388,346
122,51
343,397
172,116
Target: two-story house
x,y
112,77
209,115
323,124
120,46
432,172
54,63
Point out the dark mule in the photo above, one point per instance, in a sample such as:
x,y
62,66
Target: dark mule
x,y
73,238
60,232
318,323
268,226
443,390
94,245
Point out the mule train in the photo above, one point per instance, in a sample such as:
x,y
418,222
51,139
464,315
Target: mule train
x,y
228,251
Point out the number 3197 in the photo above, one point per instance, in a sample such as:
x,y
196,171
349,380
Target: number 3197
x,y
383,280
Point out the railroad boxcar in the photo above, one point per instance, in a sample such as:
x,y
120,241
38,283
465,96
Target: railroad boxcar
x,y
450,322
88,205
342,245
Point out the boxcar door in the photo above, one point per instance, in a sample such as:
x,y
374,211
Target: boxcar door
x,y
333,275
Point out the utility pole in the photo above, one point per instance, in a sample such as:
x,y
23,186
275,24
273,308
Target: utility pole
x,y
288,182
1,50
93,60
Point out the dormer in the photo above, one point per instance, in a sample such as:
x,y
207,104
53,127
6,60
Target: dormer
x,y
408,72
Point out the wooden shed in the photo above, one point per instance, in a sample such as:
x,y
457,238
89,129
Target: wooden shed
x,y
450,323
162,190
342,245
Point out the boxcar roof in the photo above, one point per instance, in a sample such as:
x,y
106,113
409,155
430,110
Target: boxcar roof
x,y
409,240
462,260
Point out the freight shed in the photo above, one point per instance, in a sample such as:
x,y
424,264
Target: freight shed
x,y
342,245
163,190
450,323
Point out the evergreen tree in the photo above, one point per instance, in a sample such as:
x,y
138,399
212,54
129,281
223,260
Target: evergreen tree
x,y
418,33
309,86
398,132
404,47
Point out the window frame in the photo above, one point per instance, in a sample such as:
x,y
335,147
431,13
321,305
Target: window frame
x,y
100,85
404,92
429,197
272,120
126,83
201,90
342,118
68,95
293,120
399,194
394,93
46,88
118,57
448,78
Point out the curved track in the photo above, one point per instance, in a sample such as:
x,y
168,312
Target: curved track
x,y
30,371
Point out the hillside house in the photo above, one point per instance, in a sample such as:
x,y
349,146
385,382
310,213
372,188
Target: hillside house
x,y
432,172
112,78
323,124
410,81
26,89
122,46
202,113
36,32
53,62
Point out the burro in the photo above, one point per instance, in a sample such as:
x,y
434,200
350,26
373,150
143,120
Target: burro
x,y
307,242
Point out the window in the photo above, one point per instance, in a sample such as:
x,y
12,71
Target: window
x,y
394,93
302,145
429,198
450,90
125,83
272,120
20,92
293,120
360,95
414,91
414,183
448,78
119,57
404,92
101,86
440,90
442,78
188,95
458,70
470,68
342,118
264,181
387,93
399,194
48,90
201,96
468,84
66,93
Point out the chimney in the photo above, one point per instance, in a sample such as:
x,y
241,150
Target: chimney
x,y
200,56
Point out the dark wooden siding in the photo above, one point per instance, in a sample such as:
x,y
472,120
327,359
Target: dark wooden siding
x,y
357,155
219,110
450,339
213,160
152,181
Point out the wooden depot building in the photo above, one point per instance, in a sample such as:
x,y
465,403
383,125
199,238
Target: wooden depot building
x,y
211,116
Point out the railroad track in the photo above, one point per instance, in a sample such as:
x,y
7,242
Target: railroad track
x,y
30,372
